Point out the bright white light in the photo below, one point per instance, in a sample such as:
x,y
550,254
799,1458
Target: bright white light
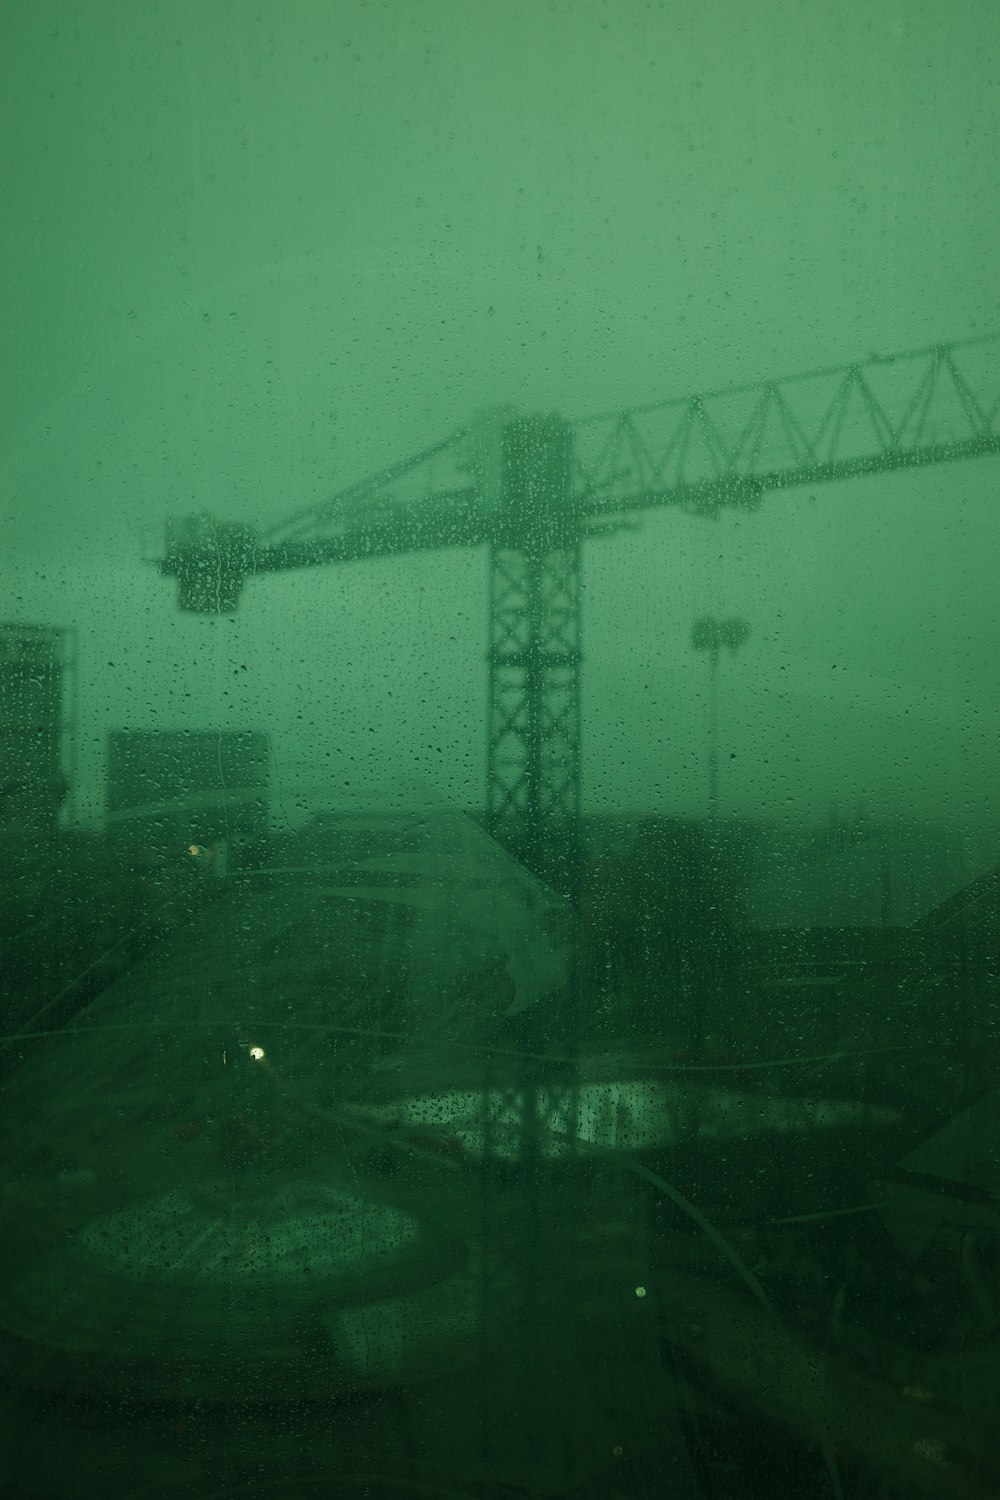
x,y
257,1053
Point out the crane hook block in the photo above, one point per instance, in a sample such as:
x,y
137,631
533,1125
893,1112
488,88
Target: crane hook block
x,y
211,561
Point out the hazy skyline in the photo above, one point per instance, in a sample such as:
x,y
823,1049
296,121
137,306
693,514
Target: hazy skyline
x,y
254,252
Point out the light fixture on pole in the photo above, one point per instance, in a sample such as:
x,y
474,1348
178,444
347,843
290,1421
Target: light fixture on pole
x,y
710,634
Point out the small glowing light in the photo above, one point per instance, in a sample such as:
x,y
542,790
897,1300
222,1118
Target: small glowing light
x,y
640,1291
257,1053
195,850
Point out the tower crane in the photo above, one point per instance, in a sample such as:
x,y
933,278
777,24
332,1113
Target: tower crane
x,y
533,488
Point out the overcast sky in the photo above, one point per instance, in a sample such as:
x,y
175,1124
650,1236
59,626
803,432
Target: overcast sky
x,y
252,251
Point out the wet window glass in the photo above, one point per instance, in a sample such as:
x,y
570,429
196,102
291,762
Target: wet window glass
x,y
498,750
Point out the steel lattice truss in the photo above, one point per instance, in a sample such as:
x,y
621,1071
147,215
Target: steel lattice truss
x,y
701,453
730,447
534,681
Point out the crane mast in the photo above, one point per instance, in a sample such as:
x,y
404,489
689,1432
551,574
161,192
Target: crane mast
x,y
533,749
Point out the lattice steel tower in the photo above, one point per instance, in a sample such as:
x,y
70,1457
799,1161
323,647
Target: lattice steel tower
x,y
533,741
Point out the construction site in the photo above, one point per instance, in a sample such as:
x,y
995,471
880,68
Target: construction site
x,y
511,1150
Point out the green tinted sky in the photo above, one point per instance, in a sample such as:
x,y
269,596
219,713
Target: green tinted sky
x,y
252,251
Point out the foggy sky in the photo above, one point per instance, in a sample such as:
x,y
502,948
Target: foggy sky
x,y
254,251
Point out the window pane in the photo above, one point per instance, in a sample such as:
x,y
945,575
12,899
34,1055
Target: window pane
x,y
498,750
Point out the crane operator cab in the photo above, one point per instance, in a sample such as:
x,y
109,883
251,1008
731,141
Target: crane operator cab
x,y
210,560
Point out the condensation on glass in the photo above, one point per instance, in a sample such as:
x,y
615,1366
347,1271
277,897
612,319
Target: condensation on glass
x,y
498,768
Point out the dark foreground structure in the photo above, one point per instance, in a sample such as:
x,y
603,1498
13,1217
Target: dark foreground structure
x,y
363,1178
